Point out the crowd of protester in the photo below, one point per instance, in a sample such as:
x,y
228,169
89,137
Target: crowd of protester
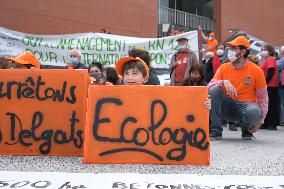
x,y
246,91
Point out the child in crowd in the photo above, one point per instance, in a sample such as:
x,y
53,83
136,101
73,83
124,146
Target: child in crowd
x,y
145,56
112,76
134,71
96,67
95,70
196,76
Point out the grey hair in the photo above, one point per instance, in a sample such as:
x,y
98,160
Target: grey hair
x,y
77,52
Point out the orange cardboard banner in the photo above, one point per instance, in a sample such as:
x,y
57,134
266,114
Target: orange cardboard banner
x,y
147,125
43,112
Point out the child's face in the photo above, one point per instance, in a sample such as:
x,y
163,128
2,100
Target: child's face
x,y
134,77
195,76
94,69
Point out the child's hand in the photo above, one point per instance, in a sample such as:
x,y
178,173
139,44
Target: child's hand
x,y
207,103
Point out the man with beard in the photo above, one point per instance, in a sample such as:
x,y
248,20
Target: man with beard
x,y
238,92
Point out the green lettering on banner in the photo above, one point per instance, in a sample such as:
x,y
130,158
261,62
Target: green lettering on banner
x,y
99,46
157,44
159,58
33,42
66,44
85,43
72,45
109,44
106,59
172,46
44,56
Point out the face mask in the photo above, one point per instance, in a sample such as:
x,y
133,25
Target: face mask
x,y
182,47
264,54
195,79
210,38
74,60
220,52
232,56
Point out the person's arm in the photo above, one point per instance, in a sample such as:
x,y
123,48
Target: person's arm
x,y
215,82
173,63
261,98
280,64
217,79
262,101
269,76
202,34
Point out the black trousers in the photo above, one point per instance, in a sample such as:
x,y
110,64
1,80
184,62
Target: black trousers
x,y
272,118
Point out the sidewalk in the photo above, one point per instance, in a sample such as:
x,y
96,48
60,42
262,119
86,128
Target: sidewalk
x,y
231,156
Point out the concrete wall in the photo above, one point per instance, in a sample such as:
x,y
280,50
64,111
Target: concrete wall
x,y
137,18
261,18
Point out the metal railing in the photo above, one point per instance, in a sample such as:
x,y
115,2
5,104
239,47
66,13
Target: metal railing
x,y
171,16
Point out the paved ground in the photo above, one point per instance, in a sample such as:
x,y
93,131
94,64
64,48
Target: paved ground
x,y
231,156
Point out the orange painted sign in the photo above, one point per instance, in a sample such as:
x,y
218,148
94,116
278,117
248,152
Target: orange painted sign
x,y
147,125
43,112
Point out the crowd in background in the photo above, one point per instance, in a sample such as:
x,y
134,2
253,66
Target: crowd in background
x,y
222,78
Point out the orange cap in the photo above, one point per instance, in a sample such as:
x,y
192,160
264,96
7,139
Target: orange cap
x,y
212,34
26,58
240,40
122,61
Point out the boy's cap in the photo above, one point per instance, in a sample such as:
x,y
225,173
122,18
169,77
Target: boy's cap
x,y
182,38
240,40
26,58
212,34
122,61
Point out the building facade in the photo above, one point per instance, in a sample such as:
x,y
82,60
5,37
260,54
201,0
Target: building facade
x,y
122,17
146,18
260,18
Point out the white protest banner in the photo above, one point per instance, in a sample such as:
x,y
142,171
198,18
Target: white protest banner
x,y
106,48
55,180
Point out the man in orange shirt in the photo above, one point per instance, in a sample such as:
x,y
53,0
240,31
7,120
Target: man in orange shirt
x,y
238,92
211,42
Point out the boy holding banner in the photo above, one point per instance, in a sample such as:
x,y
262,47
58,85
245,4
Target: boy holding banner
x,y
133,70
136,72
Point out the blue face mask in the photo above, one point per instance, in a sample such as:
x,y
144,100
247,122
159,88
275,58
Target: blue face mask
x,y
182,47
74,60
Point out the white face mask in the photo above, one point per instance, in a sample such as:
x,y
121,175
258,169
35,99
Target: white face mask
x,y
220,52
232,56
182,47
210,38
264,54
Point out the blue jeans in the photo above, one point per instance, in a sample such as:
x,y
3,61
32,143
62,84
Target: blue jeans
x,y
281,95
226,108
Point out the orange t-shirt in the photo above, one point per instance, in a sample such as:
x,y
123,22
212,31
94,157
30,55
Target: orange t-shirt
x,y
246,80
271,63
213,44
